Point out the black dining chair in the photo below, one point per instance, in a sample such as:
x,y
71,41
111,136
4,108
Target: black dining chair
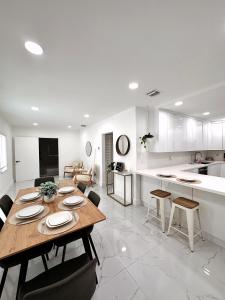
x,y
6,204
82,187
22,259
80,234
39,181
74,279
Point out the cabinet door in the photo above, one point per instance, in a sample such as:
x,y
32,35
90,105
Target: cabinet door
x,y
223,136
214,170
180,133
222,170
194,134
166,132
215,136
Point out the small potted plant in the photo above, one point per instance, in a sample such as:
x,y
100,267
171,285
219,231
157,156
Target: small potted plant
x,y
48,191
144,139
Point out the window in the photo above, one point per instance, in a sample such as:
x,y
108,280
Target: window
x,y
3,154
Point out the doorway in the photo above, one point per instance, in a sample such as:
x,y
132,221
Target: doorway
x,y
107,155
48,157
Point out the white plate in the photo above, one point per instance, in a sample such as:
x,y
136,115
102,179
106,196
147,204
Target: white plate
x,y
30,211
66,189
186,179
59,219
73,200
30,196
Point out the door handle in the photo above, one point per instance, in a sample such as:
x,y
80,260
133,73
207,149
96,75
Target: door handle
x,y
17,161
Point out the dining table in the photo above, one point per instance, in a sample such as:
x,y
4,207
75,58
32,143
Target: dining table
x,y
16,239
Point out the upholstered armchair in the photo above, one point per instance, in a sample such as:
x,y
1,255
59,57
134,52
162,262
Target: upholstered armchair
x,y
74,168
85,177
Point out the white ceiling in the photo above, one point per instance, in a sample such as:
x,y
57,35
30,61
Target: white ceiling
x,y
93,49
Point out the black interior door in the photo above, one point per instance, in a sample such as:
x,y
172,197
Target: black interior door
x,y
48,156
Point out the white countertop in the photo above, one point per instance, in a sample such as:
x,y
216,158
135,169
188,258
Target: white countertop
x,y
211,184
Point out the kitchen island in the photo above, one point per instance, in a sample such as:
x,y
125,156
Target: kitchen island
x,y
208,190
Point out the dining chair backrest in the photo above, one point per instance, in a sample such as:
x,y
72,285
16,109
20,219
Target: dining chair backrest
x,y
82,187
80,284
95,199
6,204
39,181
1,224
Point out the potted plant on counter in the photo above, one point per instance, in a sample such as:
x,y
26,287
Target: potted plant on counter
x,y
48,191
145,138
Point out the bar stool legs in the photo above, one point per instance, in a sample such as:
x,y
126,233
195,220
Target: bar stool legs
x,y
160,196
189,206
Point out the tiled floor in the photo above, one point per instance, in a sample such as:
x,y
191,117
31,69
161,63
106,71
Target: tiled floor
x,y
139,262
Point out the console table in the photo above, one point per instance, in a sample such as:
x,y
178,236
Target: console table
x,y
121,200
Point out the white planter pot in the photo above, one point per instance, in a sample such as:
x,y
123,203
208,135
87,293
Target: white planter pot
x,y
48,200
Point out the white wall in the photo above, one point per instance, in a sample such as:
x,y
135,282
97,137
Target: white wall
x,y
122,123
69,142
6,178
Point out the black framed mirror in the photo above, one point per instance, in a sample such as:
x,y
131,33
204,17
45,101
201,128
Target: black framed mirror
x,y
123,145
88,148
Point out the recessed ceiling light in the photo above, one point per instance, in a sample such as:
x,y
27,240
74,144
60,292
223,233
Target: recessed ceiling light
x,y
133,85
206,113
35,108
178,103
35,124
33,48
69,126
87,116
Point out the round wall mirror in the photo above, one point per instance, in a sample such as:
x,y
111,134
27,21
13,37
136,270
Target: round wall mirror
x,y
123,145
88,148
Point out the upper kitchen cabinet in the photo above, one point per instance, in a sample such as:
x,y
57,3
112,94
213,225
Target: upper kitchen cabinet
x,y
223,124
214,136
176,132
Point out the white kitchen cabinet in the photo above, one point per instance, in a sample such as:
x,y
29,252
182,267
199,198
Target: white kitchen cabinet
x,y
194,134
215,136
214,170
223,124
222,170
180,133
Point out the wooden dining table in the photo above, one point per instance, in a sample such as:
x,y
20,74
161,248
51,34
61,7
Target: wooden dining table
x,y
16,239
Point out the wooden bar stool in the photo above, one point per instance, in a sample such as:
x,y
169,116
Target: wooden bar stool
x,y
160,197
189,206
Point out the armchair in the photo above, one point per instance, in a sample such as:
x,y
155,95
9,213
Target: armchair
x,y
85,177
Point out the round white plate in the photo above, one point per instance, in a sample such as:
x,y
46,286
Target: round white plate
x,y
73,200
30,211
59,219
30,196
66,189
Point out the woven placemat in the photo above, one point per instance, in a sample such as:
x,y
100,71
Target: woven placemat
x,y
189,182
44,229
74,207
15,221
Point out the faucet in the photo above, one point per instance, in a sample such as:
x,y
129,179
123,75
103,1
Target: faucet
x,y
198,157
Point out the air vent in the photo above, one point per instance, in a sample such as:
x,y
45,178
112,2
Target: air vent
x,y
83,125
153,93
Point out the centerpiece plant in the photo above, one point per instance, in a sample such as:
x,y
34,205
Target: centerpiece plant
x,y
48,190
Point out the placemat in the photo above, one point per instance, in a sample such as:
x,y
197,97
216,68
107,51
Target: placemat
x,y
44,229
74,207
15,221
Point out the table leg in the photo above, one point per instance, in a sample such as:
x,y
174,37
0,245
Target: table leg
x,y
22,276
87,246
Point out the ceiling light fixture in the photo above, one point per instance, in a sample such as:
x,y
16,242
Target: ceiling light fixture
x,y
69,126
35,124
133,85
206,113
33,48
178,103
86,115
35,108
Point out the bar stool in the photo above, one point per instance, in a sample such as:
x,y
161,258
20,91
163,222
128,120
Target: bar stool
x,y
189,206
160,197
